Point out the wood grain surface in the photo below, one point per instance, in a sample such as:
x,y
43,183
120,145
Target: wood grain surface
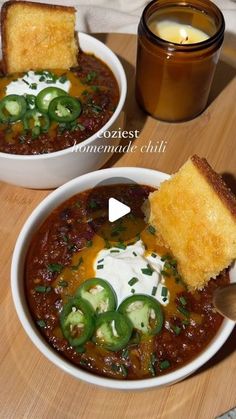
x,y
31,387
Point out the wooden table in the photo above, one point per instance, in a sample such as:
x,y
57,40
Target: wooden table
x,y
31,387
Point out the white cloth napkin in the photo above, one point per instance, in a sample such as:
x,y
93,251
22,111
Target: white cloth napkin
x,y
123,15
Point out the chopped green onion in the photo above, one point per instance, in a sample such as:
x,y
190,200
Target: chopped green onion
x,y
63,283
183,301
154,291
133,281
93,204
164,299
176,329
151,229
121,246
100,266
101,260
75,267
164,292
164,273
147,271
153,255
133,290
42,289
183,311
164,365
114,251
80,349
89,243
135,254
41,323
55,267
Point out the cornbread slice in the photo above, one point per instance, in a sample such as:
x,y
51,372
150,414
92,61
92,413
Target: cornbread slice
x,y
195,213
37,36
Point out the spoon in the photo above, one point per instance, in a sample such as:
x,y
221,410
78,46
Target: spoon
x,y
224,300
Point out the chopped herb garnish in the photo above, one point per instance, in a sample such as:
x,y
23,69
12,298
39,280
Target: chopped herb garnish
x,y
85,93
93,204
63,283
154,291
151,229
185,322
100,266
153,255
26,82
117,229
62,79
65,239
114,251
176,329
101,260
41,323
55,267
121,245
75,267
42,289
91,76
147,271
95,88
182,301
183,311
164,364
142,324
164,292
33,86
80,126
164,299
89,243
164,273
132,290
134,253
96,108
133,281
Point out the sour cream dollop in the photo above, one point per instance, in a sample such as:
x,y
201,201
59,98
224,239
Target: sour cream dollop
x,y
31,85
132,271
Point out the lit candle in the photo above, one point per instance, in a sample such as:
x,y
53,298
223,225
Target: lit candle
x,y
178,48
176,32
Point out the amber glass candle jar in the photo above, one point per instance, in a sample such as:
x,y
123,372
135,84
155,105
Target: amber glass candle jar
x,y
178,49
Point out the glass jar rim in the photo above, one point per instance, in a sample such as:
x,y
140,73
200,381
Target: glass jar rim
x,y
172,46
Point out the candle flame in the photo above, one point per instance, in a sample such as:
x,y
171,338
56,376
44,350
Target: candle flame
x,y
184,36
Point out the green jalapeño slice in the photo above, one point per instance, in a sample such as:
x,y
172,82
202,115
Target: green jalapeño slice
x,y
77,321
112,330
36,121
144,312
64,109
12,108
99,294
46,95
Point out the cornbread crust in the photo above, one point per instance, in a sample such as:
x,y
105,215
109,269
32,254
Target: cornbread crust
x,y
217,183
37,36
195,214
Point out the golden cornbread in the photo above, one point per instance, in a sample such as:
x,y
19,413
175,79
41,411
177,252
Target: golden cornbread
x,y
195,213
37,36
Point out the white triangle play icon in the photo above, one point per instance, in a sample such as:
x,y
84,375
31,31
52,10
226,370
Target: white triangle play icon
x,y
116,209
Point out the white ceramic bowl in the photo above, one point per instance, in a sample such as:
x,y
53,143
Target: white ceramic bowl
x,y
87,181
51,170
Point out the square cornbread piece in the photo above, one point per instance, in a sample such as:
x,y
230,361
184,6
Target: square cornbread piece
x,y
195,213
37,36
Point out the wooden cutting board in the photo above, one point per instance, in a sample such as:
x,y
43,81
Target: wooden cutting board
x,y
31,387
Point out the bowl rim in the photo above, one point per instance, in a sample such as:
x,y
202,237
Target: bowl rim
x,y
123,93
43,209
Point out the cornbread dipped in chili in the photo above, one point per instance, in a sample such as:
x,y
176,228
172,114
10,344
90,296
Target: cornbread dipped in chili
x,y
53,95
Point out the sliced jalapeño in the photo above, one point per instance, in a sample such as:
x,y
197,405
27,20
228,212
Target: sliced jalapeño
x,y
12,108
99,293
64,109
46,95
77,321
112,330
144,312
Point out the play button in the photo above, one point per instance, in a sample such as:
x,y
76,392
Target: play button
x,y
117,209
114,210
